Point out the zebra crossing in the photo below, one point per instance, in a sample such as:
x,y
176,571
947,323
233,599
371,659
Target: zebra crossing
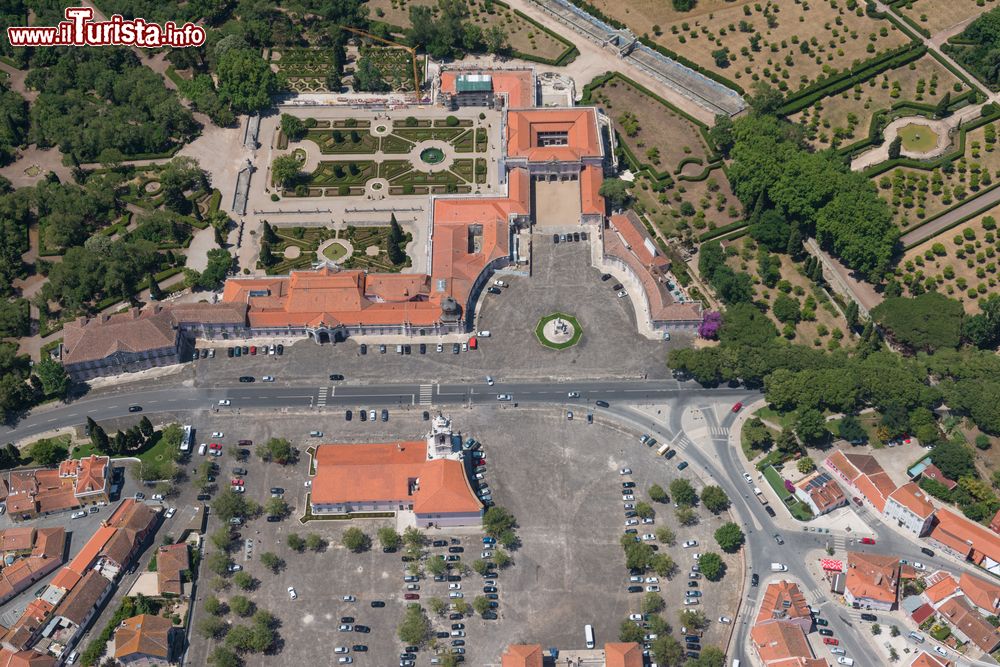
x,y
426,394
321,398
719,432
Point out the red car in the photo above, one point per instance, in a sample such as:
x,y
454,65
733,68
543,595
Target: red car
x,y
237,482
867,540
738,407
411,596
481,462
214,445
831,641
857,501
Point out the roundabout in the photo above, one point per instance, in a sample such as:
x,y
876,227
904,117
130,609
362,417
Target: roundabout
x,y
558,331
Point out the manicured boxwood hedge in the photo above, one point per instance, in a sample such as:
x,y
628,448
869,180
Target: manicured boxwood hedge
x,y
962,220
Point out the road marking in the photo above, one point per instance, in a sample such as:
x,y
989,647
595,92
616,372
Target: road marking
x,y
321,400
426,394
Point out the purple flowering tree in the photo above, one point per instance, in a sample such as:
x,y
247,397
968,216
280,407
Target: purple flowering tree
x,y
710,324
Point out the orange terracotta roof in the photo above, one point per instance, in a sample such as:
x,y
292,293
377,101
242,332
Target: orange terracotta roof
x,y
517,85
782,600
914,499
9,658
80,601
941,589
779,641
578,124
864,472
984,594
17,539
591,201
143,635
927,660
824,495
965,537
626,654
872,577
932,472
839,462
171,560
132,331
959,612
24,629
83,560
522,655
90,474
391,471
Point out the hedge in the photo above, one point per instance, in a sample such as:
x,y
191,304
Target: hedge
x,y
958,222
566,57
843,80
725,229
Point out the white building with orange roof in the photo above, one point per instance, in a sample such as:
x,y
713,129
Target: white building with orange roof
x,y
862,473
872,581
514,88
966,539
924,659
910,508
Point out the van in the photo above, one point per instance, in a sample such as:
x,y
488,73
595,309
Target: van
x,y
736,662
399,349
202,448
778,567
71,658
663,450
316,434
844,660
588,633
916,637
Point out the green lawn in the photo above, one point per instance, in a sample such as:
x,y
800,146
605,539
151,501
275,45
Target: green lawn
x,y
784,419
917,138
334,251
798,509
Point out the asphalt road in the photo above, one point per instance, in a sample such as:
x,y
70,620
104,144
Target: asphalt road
x,y
258,396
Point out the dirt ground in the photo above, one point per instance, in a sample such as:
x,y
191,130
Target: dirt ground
x,y
935,15
556,203
841,38
521,35
806,332
916,263
976,152
831,113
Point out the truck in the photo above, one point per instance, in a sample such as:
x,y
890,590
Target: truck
x,y
760,495
663,450
778,567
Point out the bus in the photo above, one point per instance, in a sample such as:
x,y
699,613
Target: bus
x,y
588,631
188,440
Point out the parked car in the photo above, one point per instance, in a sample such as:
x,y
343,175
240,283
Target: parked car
x,y
292,594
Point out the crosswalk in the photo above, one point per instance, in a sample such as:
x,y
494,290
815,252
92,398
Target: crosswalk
x,y
426,394
719,432
321,398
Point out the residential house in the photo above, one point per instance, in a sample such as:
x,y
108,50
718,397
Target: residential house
x,y
144,641
924,659
983,594
783,644
522,655
968,624
862,473
171,562
933,472
78,608
10,658
820,492
966,539
872,581
624,654
133,522
910,508
29,555
91,478
783,601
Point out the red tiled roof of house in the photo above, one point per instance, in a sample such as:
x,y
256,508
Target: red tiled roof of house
x,y
17,539
591,201
143,635
578,124
20,634
782,601
824,495
922,613
932,472
88,339
925,659
90,474
84,559
81,600
171,560
984,594
941,589
10,658
779,641
958,612
522,655
626,654
914,499
517,85
389,471
966,537
872,577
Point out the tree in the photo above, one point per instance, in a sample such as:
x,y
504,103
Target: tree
x,y
686,516
711,566
714,499
277,507
501,558
389,538
315,542
657,494
805,465
242,605
438,606
396,242
480,566
271,561
663,565
55,381
229,504
851,430
436,565
356,540
894,147
295,542
765,99
495,39
222,538
223,657
497,520
925,323
941,108
292,126
693,619
629,632
811,426
480,604
653,603
155,293
983,329
666,536
756,434
683,493
644,510
286,170
368,77
615,191
212,627
246,82
244,581
667,651
48,451
218,562
277,450
683,5
953,459
710,657
786,309
730,537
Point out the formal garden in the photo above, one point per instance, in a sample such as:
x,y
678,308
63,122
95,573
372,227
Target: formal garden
x,y
846,117
932,16
285,249
960,262
524,36
305,69
916,193
800,309
394,66
680,185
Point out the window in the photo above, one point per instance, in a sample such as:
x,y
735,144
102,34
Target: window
x,y
553,138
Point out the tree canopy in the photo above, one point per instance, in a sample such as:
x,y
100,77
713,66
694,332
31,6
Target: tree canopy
x,y
923,323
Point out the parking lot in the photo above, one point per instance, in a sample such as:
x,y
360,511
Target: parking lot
x,y
559,478
562,280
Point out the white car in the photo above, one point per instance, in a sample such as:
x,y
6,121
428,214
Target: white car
x,y
622,294
625,471
342,649
486,554
941,651
489,380
696,556
344,627
650,637
649,537
648,520
267,378
630,506
499,283
455,587
349,598
918,566
504,397
690,543
157,496
308,483
632,522
725,619
170,512
652,580
218,434
292,594
235,567
635,579
456,594
239,489
573,394
748,478
78,515
627,497
635,617
224,401
485,334
690,601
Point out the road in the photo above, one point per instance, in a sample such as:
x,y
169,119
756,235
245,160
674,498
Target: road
x,y
262,396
